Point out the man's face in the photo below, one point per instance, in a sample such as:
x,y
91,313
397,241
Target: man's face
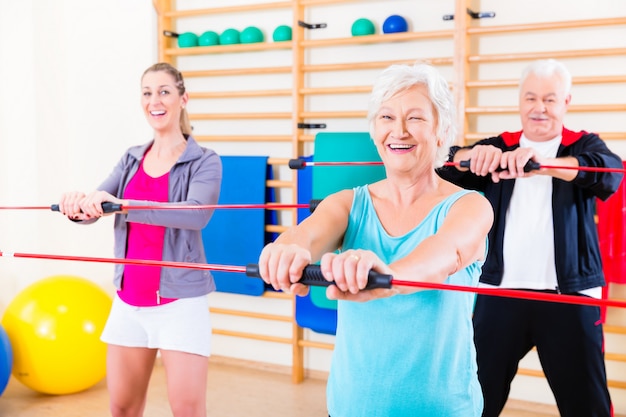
x,y
543,104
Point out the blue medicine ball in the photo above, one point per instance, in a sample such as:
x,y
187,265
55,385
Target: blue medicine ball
x,y
395,24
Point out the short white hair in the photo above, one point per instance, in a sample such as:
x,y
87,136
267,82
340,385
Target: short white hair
x,y
398,78
547,68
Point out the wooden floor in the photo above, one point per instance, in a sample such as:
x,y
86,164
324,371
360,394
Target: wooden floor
x,y
234,390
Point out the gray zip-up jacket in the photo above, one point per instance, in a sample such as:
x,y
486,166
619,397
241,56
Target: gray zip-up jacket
x,y
195,179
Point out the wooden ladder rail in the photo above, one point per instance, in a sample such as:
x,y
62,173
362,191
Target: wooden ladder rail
x,y
166,17
560,54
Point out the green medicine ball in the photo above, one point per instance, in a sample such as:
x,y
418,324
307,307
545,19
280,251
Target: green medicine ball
x,y
209,38
252,34
187,40
363,27
282,33
229,37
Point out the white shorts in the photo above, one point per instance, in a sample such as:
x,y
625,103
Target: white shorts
x,y
183,325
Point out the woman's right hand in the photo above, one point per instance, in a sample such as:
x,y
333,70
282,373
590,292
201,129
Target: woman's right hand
x,y
281,266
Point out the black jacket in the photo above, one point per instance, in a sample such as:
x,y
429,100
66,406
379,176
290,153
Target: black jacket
x,y
576,248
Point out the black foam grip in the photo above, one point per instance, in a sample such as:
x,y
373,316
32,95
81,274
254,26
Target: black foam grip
x,y
530,166
297,163
312,276
107,207
313,204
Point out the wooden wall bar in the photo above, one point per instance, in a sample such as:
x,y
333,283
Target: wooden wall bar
x,y
462,56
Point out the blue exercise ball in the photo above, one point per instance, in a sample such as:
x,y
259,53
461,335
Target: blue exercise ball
x,y
6,359
394,24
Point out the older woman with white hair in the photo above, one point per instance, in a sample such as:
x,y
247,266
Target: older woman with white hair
x,y
400,351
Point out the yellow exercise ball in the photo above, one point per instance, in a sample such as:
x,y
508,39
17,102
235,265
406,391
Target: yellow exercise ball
x,y
54,326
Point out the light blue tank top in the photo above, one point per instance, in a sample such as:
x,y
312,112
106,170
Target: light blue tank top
x,y
407,355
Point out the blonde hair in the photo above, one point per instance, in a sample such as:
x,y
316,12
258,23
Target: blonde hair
x,y
185,125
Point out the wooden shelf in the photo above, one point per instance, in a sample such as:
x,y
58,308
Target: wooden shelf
x,y
460,55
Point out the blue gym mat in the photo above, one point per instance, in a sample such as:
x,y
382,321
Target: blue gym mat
x,y
308,315
237,236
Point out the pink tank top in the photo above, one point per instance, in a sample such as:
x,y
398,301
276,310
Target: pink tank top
x,y
140,285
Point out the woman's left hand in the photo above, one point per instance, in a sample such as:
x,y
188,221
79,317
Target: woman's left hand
x,y
91,205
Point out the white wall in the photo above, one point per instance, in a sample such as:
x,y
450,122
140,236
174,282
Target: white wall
x,y
69,107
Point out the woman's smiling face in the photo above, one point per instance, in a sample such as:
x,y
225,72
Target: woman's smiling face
x,y
161,101
405,130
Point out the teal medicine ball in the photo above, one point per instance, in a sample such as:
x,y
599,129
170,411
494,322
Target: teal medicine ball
x,y
187,40
363,27
229,37
252,34
282,33
209,38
